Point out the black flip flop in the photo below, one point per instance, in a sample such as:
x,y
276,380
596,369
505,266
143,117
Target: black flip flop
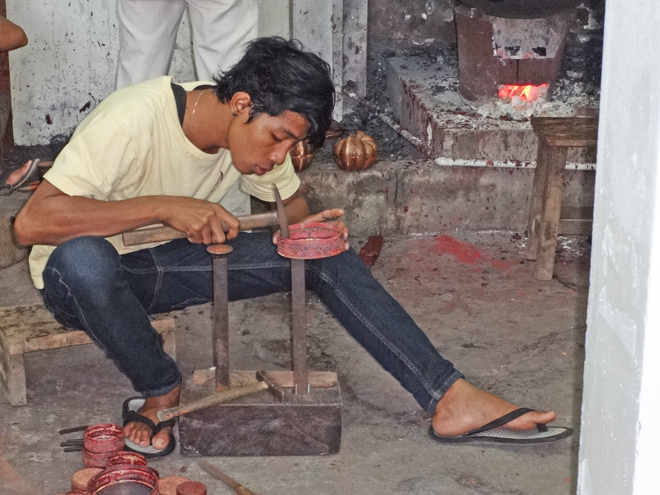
x,y
129,414
491,433
30,174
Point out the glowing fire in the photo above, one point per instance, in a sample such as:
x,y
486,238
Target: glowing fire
x,y
526,92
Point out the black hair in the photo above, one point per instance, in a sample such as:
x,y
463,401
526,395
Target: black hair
x,y
279,76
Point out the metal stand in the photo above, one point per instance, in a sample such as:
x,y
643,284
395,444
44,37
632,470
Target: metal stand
x,y
219,254
299,328
306,422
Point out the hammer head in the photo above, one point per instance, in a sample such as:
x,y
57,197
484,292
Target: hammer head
x,y
267,378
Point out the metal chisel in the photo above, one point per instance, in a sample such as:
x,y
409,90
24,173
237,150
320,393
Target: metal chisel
x,y
231,483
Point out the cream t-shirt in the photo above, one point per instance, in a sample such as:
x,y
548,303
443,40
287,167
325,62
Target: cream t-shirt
x,y
133,145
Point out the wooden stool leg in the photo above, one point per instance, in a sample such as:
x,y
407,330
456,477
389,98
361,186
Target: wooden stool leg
x,y
555,159
536,203
12,376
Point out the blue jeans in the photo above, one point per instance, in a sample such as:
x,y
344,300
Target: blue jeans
x,y
90,287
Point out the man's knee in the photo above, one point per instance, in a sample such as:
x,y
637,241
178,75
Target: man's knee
x,y
346,265
84,262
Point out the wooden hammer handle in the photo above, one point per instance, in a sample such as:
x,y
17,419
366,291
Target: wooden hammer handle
x,y
211,400
241,490
159,234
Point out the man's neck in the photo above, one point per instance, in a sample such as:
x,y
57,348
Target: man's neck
x,y
206,120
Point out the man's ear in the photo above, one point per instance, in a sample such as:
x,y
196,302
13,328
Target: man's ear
x,y
240,102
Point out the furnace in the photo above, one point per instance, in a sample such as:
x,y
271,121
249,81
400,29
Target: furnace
x,y
511,50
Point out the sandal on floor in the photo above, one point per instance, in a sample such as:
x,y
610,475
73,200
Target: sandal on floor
x,y
490,433
130,414
42,168
30,174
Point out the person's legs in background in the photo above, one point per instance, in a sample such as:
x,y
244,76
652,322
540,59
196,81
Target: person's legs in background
x,y
147,35
220,30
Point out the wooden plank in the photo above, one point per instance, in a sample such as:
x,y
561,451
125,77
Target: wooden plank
x,y
552,196
30,323
240,378
32,328
566,131
35,326
257,425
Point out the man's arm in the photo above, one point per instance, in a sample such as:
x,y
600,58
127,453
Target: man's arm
x,y
11,35
52,217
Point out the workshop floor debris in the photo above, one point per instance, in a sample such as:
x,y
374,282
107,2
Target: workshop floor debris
x,y
476,297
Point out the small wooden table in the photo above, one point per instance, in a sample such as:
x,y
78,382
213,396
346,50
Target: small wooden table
x,y
555,135
32,328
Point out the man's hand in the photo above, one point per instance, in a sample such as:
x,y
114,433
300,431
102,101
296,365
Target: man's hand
x,y
330,216
203,222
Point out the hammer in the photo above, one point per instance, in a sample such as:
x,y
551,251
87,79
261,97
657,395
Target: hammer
x,y
266,381
159,234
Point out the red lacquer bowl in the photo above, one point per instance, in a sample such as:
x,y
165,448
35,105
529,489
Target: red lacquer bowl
x,y
125,474
105,437
311,241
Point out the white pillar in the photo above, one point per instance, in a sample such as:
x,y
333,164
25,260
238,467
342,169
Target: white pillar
x,y
620,438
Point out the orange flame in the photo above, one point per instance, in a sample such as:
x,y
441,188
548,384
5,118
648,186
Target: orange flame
x,y
526,92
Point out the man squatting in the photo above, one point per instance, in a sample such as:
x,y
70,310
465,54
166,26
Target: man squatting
x,y
158,152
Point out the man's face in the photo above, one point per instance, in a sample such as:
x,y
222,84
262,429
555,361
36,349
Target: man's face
x,y
258,146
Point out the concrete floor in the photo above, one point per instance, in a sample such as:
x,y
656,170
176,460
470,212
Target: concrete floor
x,y
476,297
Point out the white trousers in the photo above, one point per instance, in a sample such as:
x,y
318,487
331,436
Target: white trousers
x,y
147,37
148,28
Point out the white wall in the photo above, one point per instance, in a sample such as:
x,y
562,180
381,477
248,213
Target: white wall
x,y
70,63
71,60
620,438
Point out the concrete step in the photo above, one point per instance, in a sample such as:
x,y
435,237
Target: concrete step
x,y
423,197
404,197
425,100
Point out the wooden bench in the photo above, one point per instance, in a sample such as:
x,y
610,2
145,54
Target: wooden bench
x,y
32,328
555,135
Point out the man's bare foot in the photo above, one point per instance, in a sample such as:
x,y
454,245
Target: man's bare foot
x,y
464,408
140,434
